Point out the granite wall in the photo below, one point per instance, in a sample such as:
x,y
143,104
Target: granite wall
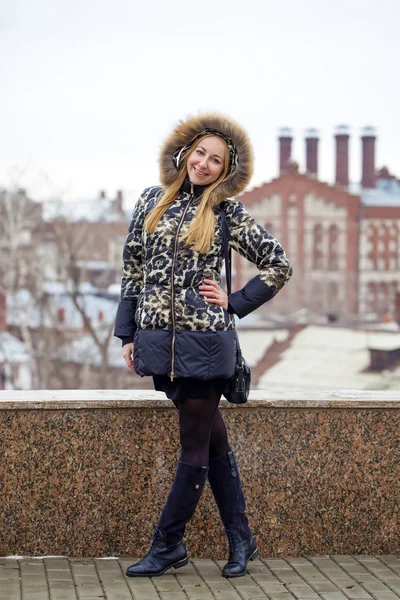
x,y
87,473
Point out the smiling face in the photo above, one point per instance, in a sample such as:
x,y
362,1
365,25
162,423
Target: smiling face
x,y
206,162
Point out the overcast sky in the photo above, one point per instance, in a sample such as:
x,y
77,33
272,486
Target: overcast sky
x,y
90,88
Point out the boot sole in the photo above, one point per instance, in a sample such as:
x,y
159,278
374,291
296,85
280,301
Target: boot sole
x,y
177,565
252,557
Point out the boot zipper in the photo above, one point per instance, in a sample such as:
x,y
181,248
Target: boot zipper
x,y
172,283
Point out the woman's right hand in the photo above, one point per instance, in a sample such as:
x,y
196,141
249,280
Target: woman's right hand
x,y
127,353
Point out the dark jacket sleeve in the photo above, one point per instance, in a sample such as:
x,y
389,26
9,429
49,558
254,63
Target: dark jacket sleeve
x,y
259,247
132,274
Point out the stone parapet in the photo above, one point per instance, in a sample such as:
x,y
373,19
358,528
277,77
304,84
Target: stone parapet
x,y
86,473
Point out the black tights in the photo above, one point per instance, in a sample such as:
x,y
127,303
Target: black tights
x,y
202,430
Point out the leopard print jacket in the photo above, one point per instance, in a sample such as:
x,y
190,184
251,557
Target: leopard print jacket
x,y
176,332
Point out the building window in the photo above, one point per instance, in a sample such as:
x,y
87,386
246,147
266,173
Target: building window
x,y
333,297
373,238
392,250
392,291
372,297
333,259
318,262
386,248
383,299
316,300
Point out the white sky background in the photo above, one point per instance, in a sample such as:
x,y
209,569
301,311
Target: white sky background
x,y
90,88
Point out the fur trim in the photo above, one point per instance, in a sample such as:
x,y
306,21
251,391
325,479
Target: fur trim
x,y
235,183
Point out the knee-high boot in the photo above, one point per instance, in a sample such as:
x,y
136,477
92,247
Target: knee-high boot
x,y
225,484
167,549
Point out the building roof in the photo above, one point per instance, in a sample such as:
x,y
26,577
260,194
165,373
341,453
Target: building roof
x,y
326,358
379,197
94,265
386,193
85,352
84,209
12,350
302,184
384,341
254,344
100,310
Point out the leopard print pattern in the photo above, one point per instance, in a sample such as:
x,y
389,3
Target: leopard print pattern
x,y
149,264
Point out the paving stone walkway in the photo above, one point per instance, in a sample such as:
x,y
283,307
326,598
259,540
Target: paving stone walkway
x,y
312,578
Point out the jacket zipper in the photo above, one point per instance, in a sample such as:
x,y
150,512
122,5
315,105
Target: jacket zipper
x,y
172,283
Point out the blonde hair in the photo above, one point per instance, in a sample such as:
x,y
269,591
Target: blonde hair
x,y
200,234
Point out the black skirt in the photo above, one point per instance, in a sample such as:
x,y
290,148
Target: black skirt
x,y
188,387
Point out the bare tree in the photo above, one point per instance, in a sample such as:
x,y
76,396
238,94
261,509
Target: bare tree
x,y
33,251
71,241
19,268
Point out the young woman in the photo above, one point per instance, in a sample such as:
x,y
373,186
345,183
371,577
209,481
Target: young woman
x,y
176,323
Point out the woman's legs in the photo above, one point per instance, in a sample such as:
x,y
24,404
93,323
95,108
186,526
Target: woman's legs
x,y
196,417
218,437
219,444
167,549
223,475
204,441
196,426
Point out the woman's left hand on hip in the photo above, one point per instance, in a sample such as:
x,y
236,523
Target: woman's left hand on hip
x,y
213,293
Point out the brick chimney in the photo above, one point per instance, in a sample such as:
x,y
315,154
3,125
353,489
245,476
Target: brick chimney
x,y
342,136
368,138
119,200
3,312
285,147
312,152
61,315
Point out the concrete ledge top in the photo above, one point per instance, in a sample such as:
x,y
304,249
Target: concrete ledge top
x,y
86,399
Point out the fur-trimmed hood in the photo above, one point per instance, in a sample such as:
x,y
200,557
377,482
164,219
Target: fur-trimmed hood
x,y
184,133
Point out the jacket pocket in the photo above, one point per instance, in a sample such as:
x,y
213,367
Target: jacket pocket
x,y
152,352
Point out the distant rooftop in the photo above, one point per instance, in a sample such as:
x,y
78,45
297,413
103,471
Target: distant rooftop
x,y
322,358
101,310
12,350
386,193
101,209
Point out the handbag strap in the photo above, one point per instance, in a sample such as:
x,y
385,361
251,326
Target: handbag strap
x,y
226,236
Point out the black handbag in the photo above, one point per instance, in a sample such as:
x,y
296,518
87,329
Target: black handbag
x,y
237,387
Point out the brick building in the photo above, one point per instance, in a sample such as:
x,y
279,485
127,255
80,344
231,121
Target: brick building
x,y
343,239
